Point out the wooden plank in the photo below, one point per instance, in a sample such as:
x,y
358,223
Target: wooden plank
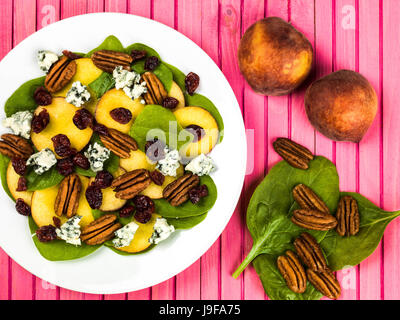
x,y
164,11
232,239
347,152
391,145
254,118
139,7
71,8
22,282
6,13
95,6
210,261
370,146
115,6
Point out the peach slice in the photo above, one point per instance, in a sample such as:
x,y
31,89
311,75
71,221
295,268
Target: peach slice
x,y
176,92
12,181
154,191
198,116
86,72
117,99
137,160
61,114
140,241
43,206
110,202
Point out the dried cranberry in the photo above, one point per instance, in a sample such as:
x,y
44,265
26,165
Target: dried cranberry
x,y
42,97
22,184
100,129
83,119
126,211
151,63
57,222
62,146
94,196
143,203
46,233
192,82
143,216
40,121
138,54
170,103
155,150
196,193
19,166
22,207
71,55
157,177
103,179
121,115
65,166
197,132
81,161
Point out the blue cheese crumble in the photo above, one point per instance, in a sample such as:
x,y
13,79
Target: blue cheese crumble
x,y
42,161
78,94
162,230
20,123
170,163
129,82
124,236
97,154
46,59
70,231
201,165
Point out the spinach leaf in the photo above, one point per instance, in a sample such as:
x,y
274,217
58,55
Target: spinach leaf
x,y
186,223
102,84
189,209
344,252
202,101
155,121
110,43
4,161
269,210
274,284
59,250
178,75
141,46
46,180
22,98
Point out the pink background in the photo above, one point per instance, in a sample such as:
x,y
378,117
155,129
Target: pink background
x,y
361,35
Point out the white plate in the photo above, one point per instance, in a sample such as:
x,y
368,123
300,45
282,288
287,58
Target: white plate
x,y
105,271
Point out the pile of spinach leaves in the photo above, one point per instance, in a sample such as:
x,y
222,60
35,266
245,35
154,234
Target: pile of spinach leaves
x,y
268,220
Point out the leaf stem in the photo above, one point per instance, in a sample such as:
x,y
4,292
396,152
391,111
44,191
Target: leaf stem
x,y
250,257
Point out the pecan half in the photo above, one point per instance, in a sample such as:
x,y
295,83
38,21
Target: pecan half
x,y
348,217
292,271
130,184
100,230
310,252
177,192
119,143
67,199
307,199
325,282
60,74
293,153
108,60
314,219
155,89
14,146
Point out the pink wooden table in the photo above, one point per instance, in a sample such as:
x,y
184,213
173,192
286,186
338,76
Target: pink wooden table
x,y
362,35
